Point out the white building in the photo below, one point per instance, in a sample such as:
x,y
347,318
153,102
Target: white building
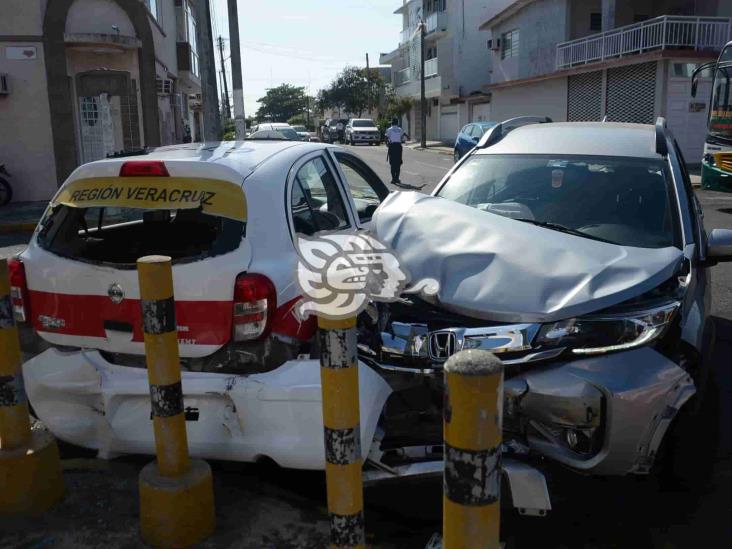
x,y
88,78
629,60
457,67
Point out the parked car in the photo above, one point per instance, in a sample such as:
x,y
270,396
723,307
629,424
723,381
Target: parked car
x,y
362,130
285,129
577,253
305,134
280,133
334,130
469,136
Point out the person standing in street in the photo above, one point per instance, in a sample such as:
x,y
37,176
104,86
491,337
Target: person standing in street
x,y
394,135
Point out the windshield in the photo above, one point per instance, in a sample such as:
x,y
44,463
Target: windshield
x,y
625,201
720,115
363,124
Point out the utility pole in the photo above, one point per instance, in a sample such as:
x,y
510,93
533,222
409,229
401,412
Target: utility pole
x,y
368,83
236,83
207,64
423,98
227,105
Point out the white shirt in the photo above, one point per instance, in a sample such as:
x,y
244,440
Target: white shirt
x,y
394,134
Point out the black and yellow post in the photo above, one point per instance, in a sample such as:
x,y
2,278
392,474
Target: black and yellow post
x,y
341,419
176,493
472,421
30,467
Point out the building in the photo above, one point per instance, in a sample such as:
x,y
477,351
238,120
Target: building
x,y
457,66
626,60
88,78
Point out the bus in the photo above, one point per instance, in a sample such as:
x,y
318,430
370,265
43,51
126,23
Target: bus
x,y
716,173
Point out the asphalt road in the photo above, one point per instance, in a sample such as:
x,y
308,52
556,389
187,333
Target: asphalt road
x,y
594,513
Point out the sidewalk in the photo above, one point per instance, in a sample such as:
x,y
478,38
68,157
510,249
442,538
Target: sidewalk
x,y
434,146
21,216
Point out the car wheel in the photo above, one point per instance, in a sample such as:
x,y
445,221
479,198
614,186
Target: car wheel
x,y
456,155
685,460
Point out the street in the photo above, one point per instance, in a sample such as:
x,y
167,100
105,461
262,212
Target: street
x,y
631,512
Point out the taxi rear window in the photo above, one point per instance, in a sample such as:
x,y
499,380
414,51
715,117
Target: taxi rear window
x,y
119,236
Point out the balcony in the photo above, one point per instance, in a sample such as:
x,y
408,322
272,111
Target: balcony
x,y
436,23
403,76
430,67
660,33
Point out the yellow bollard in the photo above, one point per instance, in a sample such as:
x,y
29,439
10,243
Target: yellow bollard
x,y
341,418
472,481
176,493
30,467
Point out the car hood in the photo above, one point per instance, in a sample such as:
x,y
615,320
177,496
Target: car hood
x,y
496,268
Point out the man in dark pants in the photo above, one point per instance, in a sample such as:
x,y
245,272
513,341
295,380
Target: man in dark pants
x,y
394,135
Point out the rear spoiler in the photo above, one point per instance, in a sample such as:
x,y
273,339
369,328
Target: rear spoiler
x,y
499,131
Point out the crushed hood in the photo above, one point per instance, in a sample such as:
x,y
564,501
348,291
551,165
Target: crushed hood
x,y
496,268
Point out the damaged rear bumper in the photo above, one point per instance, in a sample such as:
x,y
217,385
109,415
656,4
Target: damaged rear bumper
x,y
89,402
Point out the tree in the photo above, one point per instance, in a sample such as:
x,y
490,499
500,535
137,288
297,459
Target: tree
x,y
282,103
349,91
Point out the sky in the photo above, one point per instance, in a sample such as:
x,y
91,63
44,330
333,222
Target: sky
x,y
305,42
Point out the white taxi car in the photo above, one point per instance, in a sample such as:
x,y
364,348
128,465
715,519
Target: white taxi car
x,y
227,214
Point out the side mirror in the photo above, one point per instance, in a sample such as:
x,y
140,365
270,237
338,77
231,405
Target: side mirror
x,y
719,245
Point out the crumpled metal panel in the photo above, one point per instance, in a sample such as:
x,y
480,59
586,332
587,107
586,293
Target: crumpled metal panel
x,y
497,268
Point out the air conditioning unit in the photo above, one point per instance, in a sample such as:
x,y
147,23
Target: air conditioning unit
x,y
165,86
494,44
4,84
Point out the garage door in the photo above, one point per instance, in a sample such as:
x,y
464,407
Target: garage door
x,y
686,117
481,112
448,126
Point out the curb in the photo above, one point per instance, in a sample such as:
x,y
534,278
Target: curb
x,y
430,149
22,226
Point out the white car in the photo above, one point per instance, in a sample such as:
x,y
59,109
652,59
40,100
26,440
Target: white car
x,y
362,130
227,214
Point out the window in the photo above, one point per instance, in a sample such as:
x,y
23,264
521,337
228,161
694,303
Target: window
x,y
192,38
595,21
156,9
510,44
476,131
626,201
118,235
366,188
316,203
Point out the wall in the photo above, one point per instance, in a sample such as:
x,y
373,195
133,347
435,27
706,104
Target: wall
x,y
22,17
471,59
97,16
164,36
542,25
26,147
580,11
545,98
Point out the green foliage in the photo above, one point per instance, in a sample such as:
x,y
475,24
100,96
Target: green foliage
x,y
349,92
301,120
281,103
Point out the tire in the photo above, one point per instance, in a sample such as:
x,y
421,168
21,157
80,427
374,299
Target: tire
x,y
6,192
687,454
456,156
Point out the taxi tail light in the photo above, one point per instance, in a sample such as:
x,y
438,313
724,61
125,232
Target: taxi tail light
x,y
18,290
255,303
144,168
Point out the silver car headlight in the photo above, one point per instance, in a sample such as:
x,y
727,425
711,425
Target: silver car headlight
x,y
597,334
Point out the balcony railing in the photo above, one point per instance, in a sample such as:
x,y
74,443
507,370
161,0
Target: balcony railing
x,y
430,67
665,32
436,22
403,76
